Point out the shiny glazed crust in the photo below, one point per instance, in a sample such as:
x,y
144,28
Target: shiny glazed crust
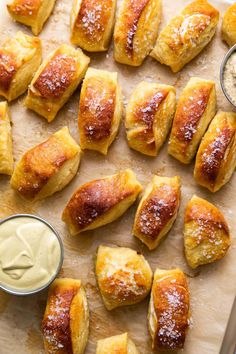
x,y
20,57
92,23
48,167
186,35
206,233
149,117
216,157
6,153
101,201
56,80
157,210
136,30
124,276
168,313
120,344
196,108
229,25
65,324
32,13
100,110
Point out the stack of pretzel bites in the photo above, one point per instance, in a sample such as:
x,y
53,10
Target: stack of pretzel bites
x,y
130,183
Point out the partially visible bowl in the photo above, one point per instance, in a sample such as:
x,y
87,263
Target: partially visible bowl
x,y
222,71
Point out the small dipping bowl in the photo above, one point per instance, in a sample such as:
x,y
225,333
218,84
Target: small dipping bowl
x,y
222,73
58,249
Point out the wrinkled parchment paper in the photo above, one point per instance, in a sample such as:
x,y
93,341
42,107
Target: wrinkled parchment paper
x,y
212,289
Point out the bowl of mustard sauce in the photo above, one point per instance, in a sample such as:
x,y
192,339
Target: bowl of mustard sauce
x,y
228,75
31,254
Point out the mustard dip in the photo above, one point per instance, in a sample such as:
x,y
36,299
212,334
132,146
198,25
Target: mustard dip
x,y
30,254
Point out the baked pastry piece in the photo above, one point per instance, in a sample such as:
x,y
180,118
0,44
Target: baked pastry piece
x,y
206,233
65,324
149,117
92,24
216,157
136,30
20,57
168,314
121,344
48,167
229,25
124,276
157,210
195,109
32,13
186,35
100,110
56,80
6,153
101,201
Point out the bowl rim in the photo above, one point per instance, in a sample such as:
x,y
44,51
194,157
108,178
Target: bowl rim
x,y
13,291
222,69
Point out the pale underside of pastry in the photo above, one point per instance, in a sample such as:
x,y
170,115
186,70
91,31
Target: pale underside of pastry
x,y
229,25
65,324
100,110
6,149
136,30
206,233
101,201
20,57
56,80
48,167
216,157
92,23
124,276
32,13
168,315
149,117
157,210
186,35
195,110
119,344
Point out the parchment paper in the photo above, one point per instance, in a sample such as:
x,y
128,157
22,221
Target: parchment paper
x,y
212,289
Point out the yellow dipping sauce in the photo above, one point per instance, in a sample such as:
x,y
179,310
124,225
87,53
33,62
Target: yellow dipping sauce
x,y
30,254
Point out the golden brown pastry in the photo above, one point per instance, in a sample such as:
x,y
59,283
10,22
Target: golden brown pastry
x,y
157,210
100,110
195,109
92,24
32,13
101,201
216,157
229,25
120,344
206,233
20,57
186,35
136,30
56,80
124,276
48,167
168,315
6,153
149,117
65,324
